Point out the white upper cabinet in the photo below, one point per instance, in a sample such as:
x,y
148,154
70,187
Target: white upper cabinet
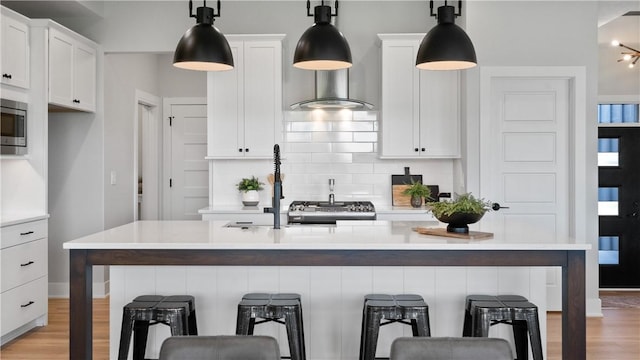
x,y
72,71
245,104
15,51
420,108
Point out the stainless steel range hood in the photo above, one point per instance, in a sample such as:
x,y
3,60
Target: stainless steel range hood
x,y
332,92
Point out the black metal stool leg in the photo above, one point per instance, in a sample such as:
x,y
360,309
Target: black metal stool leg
x,y
293,323
533,325
520,339
125,334
420,325
371,335
140,335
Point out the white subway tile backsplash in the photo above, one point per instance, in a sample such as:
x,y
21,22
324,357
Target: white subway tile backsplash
x,y
353,126
365,137
298,137
365,116
352,147
309,147
332,158
321,145
308,126
353,168
332,136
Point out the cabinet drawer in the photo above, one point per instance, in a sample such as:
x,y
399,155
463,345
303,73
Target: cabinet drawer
x,y
23,263
22,233
23,304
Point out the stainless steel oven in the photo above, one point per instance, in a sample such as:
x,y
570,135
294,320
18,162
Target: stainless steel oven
x,y
13,127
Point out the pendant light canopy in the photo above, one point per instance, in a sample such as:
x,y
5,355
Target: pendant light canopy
x,y
203,47
446,46
322,46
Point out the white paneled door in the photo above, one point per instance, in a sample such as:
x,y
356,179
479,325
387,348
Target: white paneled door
x,y
525,160
188,176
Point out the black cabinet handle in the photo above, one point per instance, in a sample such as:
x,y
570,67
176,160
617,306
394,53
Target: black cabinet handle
x,y
240,150
27,263
246,150
27,304
26,233
76,101
423,149
8,76
415,149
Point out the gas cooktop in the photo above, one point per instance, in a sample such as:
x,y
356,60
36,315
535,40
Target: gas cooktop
x,y
325,212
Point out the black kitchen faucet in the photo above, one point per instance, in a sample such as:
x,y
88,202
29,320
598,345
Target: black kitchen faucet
x,y
277,189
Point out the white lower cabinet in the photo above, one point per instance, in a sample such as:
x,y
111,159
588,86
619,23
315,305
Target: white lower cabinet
x,y
24,287
23,304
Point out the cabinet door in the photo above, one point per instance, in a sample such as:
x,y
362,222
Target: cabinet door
x,y
60,68
84,78
15,53
400,104
439,118
225,111
262,99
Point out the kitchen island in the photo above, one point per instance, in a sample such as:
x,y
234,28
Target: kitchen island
x,y
376,245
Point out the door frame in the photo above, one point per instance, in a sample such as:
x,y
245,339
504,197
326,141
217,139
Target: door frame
x,y
582,157
152,101
167,103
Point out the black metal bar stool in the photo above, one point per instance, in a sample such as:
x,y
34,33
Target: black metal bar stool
x,y
483,311
176,311
274,307
394,309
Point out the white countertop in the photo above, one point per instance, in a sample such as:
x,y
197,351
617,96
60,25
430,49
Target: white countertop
x,y
346,235
19,218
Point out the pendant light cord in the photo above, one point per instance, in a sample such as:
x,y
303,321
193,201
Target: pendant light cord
x,y
459,13
321,4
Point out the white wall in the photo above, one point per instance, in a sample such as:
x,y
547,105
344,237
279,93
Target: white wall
x,y
124,74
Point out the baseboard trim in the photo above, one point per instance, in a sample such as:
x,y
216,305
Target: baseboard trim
x,y
61,290
594,307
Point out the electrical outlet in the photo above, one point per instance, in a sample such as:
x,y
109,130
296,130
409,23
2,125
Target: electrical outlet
x,y
113,177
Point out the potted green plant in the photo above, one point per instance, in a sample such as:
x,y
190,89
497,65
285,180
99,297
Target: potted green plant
x,y
417,191
465,209
249,188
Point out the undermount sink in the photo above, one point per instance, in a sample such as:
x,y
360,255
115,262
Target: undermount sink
x,y
249,224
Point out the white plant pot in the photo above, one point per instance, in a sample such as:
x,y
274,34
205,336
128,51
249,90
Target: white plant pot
x,y
250,198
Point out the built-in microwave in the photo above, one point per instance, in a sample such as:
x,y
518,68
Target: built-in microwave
x,y
13,127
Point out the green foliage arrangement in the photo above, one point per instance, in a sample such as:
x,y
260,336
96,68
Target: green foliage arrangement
x,y
250,184
417,189
465,203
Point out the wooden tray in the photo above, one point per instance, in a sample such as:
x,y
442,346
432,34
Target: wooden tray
x,y
472,235
398,184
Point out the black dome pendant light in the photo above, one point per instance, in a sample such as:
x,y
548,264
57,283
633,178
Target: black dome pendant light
x,y
203,47
322,46
446,46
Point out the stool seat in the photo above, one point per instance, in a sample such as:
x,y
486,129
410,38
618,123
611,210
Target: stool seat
x,y
394,308
176,311
483,311
274,307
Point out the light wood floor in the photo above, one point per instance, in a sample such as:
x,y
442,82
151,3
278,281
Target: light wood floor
x,y
616,336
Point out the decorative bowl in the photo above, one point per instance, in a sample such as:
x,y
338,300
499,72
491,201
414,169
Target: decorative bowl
x,y
458,221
